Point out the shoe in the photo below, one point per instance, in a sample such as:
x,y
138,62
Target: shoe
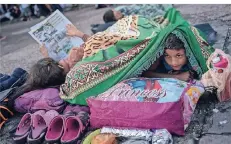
x,y
40,122
23,129
74,128
55,129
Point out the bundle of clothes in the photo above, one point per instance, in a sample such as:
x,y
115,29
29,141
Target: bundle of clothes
x,y
125,88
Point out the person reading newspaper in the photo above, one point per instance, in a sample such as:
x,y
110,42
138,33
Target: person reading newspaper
x,y
75,54
51,33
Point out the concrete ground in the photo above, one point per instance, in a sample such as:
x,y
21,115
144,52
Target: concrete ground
x,y
211,122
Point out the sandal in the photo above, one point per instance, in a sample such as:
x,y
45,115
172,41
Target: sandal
x,y
23,129
40,122
74,127
55,129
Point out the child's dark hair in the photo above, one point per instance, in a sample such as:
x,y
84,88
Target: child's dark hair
x,y
109,16
45,73
173,42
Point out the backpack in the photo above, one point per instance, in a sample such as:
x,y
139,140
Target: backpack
x,y
5,111
7,97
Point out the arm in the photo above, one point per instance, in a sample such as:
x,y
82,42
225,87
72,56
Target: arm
x,y
65,65
184,76
151,74
75,55
43,51
73,31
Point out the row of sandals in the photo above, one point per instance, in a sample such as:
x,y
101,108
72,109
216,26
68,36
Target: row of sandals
x,y
65,128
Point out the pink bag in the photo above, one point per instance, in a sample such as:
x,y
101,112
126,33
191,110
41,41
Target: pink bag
x,y
146,103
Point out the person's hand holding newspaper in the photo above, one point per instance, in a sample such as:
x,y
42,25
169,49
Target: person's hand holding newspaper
x,y
44,51
57,36
73,31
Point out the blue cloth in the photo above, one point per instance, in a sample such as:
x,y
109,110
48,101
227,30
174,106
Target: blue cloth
x,y
17,78
101,27
4,77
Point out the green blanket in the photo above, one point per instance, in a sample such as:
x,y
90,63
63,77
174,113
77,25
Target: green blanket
x,y
127,49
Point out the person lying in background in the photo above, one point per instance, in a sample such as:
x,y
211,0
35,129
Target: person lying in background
x,y
113,15
110,17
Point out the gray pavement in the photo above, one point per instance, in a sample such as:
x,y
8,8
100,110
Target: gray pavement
x,y
211,121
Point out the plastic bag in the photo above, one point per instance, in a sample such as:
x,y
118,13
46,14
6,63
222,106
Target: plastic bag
x,y
220,80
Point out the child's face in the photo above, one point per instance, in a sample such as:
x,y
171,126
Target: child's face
x,y
175,58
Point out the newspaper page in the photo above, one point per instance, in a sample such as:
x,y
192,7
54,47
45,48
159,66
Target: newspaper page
x,y
52,33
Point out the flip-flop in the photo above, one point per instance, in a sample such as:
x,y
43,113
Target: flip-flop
x,y
23,129
55,129
74,127
40,122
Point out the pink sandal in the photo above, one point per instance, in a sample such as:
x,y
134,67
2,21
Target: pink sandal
x,y
23,129
55,129
40,121
74,127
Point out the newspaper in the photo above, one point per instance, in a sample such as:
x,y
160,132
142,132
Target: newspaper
x,y
52,33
